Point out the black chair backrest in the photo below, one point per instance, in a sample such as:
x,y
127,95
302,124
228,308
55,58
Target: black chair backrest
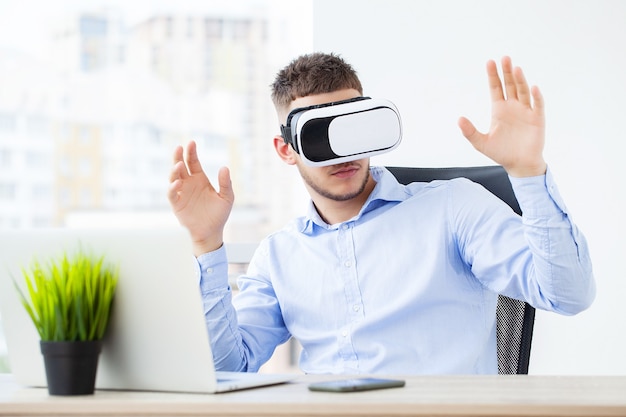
x,y
514,318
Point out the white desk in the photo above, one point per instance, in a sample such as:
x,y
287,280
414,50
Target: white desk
x,y
423,396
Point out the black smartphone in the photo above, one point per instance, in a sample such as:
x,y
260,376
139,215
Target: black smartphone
x,y
356,384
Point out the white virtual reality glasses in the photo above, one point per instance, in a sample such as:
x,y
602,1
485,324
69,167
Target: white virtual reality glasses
x,y
342,131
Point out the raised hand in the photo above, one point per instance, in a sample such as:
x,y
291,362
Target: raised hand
x,y
199,207
517,133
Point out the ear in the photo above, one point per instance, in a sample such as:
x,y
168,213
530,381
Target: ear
x,y
284,150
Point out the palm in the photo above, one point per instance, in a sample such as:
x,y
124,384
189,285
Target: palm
x,y
199,207
516,136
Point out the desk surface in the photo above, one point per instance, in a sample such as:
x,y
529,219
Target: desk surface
x,y
423,395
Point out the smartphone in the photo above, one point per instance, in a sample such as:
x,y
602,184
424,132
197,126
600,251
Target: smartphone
x,y
356,384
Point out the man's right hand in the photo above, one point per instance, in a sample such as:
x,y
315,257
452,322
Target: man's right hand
x,y
199,207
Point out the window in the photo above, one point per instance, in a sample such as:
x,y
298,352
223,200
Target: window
x,y
41,192
86,196
100,96
92,26
37,160
169,27
7,191
84,135
36,126
8,122
241,29
213,28
85,167
190,27
6,158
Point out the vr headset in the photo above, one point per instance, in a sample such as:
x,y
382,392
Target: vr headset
x,y
342,131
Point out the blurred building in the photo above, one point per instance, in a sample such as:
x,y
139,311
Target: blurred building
x,y
88,133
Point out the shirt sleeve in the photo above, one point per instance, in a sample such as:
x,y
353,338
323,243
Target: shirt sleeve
x,y
541,258
245,329
560,251
219,314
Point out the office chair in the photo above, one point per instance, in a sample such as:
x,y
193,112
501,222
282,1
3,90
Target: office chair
x,y
514,318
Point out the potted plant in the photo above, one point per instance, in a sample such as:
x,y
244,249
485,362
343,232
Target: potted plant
x,y
69,301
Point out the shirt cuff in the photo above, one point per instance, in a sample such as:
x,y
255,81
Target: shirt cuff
x,y
538,196
212,268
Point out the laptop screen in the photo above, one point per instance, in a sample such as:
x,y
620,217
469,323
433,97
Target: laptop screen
x,y
156,339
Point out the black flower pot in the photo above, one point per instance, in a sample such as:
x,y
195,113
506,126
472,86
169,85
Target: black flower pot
x,y
71,366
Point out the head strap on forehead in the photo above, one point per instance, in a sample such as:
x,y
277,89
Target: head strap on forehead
x,y
342,131
285,129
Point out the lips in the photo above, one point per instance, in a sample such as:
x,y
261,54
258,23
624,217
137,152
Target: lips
x,y
346,171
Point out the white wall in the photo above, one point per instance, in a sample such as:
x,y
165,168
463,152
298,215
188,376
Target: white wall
x,y
429,58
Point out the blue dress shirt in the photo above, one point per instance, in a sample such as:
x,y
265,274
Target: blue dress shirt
x,y
407,286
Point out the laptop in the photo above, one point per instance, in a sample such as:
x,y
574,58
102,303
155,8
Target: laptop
x,y
156,340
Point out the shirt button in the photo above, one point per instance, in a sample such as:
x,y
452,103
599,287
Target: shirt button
x,y
356,307
344,333
209,270
345,226
348,264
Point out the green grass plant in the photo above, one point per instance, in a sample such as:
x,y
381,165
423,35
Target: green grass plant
x,y
70,297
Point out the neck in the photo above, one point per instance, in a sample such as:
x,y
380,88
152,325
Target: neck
x,y
333,211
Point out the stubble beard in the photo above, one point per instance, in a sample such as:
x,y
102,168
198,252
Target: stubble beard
x,y
331,196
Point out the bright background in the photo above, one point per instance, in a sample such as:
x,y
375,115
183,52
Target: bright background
x,y
429,58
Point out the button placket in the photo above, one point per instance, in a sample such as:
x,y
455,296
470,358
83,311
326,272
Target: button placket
x,y
352,293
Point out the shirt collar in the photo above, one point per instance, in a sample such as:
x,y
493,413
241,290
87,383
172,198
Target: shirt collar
x,y
387,189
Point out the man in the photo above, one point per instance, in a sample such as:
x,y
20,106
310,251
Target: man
x,y
379,277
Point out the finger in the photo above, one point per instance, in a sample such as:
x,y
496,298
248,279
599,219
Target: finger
x,y
509,79
178,157
178,154
191,157
495,85
539,103
225,184
178,172
173,192
523,92
470,132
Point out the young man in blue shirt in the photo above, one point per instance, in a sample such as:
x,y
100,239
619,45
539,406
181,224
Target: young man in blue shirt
x,y
379,277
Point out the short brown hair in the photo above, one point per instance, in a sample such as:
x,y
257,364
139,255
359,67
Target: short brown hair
x,y
314,73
